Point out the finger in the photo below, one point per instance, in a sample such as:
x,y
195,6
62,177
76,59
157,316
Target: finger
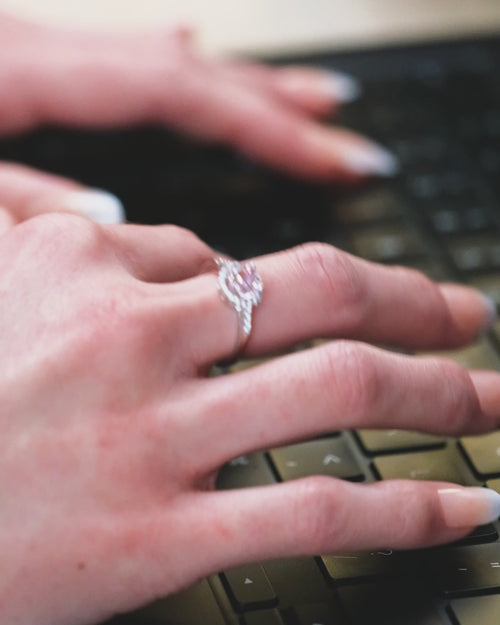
x,y
341,385
106,79
7,221
272,132
318,291
27,192
321,515
315,92
160,253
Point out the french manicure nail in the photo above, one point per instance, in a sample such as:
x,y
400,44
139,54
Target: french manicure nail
x,y
95,204
469,507
343,87
370,159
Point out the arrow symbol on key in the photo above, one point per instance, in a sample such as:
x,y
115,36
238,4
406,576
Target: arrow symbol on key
x,y
248,581
415,473
331,458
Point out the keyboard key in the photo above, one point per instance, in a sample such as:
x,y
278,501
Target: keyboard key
x,y
466,570
245,471
444,465
447,221
421,150
488,284
483,452
480,534
475,252
388,244
388,603
441,185
355,567
370,205
297,580
318,614
494,484
263,617
476,610
195,606
326,456
386,441
249,587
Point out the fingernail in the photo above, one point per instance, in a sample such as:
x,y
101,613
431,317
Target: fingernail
x,y
473,312
491,311
342,87
369,159
97,205
469,507
487,385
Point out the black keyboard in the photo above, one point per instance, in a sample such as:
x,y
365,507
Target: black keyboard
x,y
438,108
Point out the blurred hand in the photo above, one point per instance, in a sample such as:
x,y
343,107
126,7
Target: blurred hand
x,y
100,79
112,435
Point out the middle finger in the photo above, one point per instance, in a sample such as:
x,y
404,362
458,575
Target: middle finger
x,y
338,386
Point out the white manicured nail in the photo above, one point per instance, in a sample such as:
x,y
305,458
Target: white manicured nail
x,y
99,206
369,159
492,309
469,507
342,87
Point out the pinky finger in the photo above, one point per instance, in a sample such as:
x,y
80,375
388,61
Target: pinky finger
x,y
320,515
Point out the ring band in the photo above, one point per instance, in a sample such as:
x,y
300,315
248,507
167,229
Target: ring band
x,y
240,286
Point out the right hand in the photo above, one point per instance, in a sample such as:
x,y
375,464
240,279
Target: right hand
x,y
104,79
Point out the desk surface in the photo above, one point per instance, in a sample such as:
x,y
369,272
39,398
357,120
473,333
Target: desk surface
x,y
279,25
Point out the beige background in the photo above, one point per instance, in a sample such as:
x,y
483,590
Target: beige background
x,y
278,25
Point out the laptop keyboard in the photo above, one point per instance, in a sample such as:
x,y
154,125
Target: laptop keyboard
x,y
438,108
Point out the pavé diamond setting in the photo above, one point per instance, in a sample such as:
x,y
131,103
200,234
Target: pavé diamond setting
x,y
240,286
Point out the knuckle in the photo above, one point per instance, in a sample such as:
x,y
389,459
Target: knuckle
x,y
357,380
416,520
337,278
72,235
460,401
319,517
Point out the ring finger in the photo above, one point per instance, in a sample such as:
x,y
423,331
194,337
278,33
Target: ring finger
x,y
318,291
340,385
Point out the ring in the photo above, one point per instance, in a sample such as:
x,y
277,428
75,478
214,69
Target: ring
x,y
240,286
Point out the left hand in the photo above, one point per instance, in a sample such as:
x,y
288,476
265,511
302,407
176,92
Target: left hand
x,y
111,435
104,79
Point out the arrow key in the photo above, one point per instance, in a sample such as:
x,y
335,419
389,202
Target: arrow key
x,y
325,456
249,588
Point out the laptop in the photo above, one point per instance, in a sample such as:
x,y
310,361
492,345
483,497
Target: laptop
x,y
434,99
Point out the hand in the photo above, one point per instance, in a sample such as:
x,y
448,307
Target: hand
x,y
112,435
99,79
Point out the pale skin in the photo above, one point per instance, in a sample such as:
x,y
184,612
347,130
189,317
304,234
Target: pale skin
x,y
105,472
112,434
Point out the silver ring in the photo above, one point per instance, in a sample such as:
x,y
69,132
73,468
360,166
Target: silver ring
x,y
240,286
